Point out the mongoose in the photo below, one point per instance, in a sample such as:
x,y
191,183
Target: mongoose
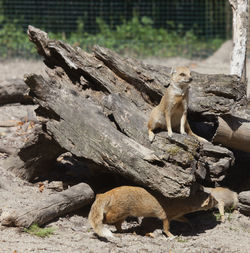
x,y
114,206
225,197
171,113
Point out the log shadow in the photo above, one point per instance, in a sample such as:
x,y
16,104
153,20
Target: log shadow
x,y
199,223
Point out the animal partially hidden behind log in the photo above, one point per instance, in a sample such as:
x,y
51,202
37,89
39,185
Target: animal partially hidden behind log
x,y
114,206
171,113
225,198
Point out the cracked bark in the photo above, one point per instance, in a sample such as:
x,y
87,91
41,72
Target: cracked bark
x,y
98,104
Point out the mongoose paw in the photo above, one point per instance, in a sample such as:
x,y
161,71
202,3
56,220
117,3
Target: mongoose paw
x,y
106,233
170,134
172,237
201,139
222,218
151,136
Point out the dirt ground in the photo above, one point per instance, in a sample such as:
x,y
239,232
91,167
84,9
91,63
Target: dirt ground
x,y
73,234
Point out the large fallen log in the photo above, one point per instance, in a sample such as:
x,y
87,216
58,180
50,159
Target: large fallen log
x,y
97,107
54,206
233,133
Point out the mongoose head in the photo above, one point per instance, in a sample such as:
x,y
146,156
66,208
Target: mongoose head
x,y
202,201
209,203
181,76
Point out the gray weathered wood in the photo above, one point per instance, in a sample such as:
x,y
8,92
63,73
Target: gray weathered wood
x,y
244,202
54,206
14,91
28,150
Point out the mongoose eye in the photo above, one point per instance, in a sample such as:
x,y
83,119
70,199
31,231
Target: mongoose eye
x,y
182,74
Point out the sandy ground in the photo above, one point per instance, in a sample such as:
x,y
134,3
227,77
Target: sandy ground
x,y
73,234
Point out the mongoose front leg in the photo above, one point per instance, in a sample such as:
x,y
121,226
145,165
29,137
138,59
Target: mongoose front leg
x,y
221,210
168,122
151,135
185,220
183,123
183,119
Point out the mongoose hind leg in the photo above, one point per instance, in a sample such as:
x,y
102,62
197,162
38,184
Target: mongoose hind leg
x,y
166,227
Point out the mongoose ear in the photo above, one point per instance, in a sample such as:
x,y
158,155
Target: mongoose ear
x,y
172,71
205,203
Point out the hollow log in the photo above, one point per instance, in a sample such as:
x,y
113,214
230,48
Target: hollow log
x,y
97,106
53,206
233,133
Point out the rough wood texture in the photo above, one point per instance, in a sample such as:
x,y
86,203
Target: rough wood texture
x,y
97,107
244,202
27,149
54,206
240,28
14,91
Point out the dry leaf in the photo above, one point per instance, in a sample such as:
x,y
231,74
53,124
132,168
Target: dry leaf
x,y
20,123
31,125
150,235
41,186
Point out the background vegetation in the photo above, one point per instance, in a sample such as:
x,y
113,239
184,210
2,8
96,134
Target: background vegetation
x,y
139,28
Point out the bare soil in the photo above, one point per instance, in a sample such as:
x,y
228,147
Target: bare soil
x,y
73,234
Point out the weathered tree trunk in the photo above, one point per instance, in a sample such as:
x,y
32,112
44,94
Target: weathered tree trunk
x,y
54,206
97,107
240,27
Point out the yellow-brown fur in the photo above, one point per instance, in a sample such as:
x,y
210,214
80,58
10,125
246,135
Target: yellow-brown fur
x,y
225,197
171,113
114,206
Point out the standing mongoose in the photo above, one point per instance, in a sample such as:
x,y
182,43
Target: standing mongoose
x,y
171,113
